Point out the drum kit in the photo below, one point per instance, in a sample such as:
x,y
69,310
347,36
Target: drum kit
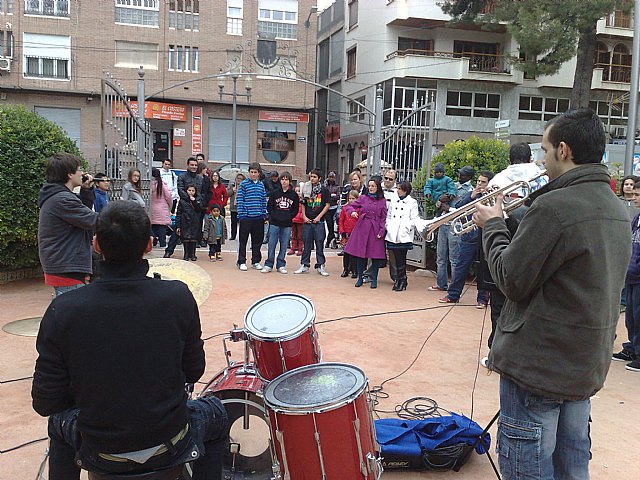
x,y
293,417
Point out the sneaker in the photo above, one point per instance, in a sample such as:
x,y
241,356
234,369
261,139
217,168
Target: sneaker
x,y
436,288
302,269
484,361
365,279
257,266
633,366
322,271
266,269
481,305
243,267
623,356
447,300
282,270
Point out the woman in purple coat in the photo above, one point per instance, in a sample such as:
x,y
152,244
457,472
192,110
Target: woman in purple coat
x,y
367,237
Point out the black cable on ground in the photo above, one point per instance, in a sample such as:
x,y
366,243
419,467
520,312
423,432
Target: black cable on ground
x,y
24,445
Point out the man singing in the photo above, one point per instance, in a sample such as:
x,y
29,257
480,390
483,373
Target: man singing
x,y
562,273
111,378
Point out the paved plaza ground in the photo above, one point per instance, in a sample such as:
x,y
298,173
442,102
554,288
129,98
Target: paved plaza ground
x,y
382,332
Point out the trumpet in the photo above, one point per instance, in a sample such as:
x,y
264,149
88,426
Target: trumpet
x,y
461,218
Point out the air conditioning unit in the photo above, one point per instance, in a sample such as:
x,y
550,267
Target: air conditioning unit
x,y
5,64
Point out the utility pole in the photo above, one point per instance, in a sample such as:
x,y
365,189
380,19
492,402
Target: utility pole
x,y
633,97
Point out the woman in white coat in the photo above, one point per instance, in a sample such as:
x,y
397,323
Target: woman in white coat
x,y
401,221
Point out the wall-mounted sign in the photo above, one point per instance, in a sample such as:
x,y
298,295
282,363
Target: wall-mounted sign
x,y
177,143
196,130
153,110
332,133
179,132
302,139
275,116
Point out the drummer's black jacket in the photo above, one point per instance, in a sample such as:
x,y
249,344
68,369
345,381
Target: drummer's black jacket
x,y
121,350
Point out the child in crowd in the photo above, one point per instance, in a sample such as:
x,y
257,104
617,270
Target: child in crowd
x,y
215,232
188,223
296,228
102,192
345,227
441,188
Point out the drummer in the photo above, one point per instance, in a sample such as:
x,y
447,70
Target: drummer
x,y
112,381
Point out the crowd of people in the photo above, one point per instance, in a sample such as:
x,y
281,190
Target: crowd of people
x,y
552,272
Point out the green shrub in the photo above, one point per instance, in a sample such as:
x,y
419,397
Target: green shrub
x,y
26,141
480,153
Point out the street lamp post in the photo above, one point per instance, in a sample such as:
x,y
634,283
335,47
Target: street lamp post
x,y
234,115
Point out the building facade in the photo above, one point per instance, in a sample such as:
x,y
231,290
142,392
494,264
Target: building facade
x,y
54,53
409,49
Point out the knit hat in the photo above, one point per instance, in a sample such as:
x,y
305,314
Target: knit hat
x,y
439,168
467,170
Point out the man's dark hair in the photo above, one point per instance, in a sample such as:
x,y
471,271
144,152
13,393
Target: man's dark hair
x,y
98,177
582,130
488,174
123,230
274,173
377,179
286,174
214,206
201,155
405,187
519,153
168,160
628,177
316,171
59,166
255,166
191,159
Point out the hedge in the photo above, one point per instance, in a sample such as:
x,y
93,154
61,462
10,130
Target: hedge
x,y
26,141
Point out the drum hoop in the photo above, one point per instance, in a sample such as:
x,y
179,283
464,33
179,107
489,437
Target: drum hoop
x,y
288,336
320,408
242,400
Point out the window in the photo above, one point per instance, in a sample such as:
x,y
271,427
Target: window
x,y
402,95
351,62
539,108
356,111
8,52
468,104
184,15
183,58
276,140
234,17
135,54
53,8
418,46
612,112
220,140
602,54
353,13
137,12
9,6
278,19
46,56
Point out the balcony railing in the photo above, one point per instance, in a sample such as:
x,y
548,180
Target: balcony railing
x,y
53,8
615,73
478,62
618,19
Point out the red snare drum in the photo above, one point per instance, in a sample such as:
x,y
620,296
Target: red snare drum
x,y
281,333
321,423
248,453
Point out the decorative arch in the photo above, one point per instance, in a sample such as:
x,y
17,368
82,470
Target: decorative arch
x,y
603,56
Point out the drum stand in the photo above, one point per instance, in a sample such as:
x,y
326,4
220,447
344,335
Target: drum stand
x,y
478,440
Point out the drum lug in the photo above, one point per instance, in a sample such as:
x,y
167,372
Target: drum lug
x,y
356,428
374,464
319,446
280,437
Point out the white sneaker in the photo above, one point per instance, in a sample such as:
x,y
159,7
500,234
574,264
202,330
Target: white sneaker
x,y
322,271
265,269
302,269
282,270
484,361
243,267
257,266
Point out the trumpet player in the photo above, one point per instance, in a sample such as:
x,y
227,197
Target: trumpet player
x,y
561,273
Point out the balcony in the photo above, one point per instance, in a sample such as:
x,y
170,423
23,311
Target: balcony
x,y
618,19
611,77
616,24
455,66
49,8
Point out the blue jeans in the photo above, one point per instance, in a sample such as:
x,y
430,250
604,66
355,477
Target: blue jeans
x,y
205,442
541,438
467,253
632,319
313,234
278,235
60,290
160,232
447,252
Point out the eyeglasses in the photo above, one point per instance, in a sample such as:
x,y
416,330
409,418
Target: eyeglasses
x,y
389,178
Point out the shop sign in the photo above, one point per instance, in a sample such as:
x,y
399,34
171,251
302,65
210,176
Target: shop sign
x,y
179,132
153,110
274,116
177,143
196,130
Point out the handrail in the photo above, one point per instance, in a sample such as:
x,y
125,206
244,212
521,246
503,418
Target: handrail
x,y
612,72
618,19
481,62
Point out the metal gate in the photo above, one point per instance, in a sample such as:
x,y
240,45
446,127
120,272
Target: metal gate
x,y
121,130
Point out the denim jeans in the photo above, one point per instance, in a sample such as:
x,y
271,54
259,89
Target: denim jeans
x,y
160,232
278,235
313,234
447,252
208,432
632,319
60,290
467,253
541,438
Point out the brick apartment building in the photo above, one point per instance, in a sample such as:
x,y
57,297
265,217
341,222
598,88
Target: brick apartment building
x,y
53,55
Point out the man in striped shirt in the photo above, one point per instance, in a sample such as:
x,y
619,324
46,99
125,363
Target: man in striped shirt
x,y
251,200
